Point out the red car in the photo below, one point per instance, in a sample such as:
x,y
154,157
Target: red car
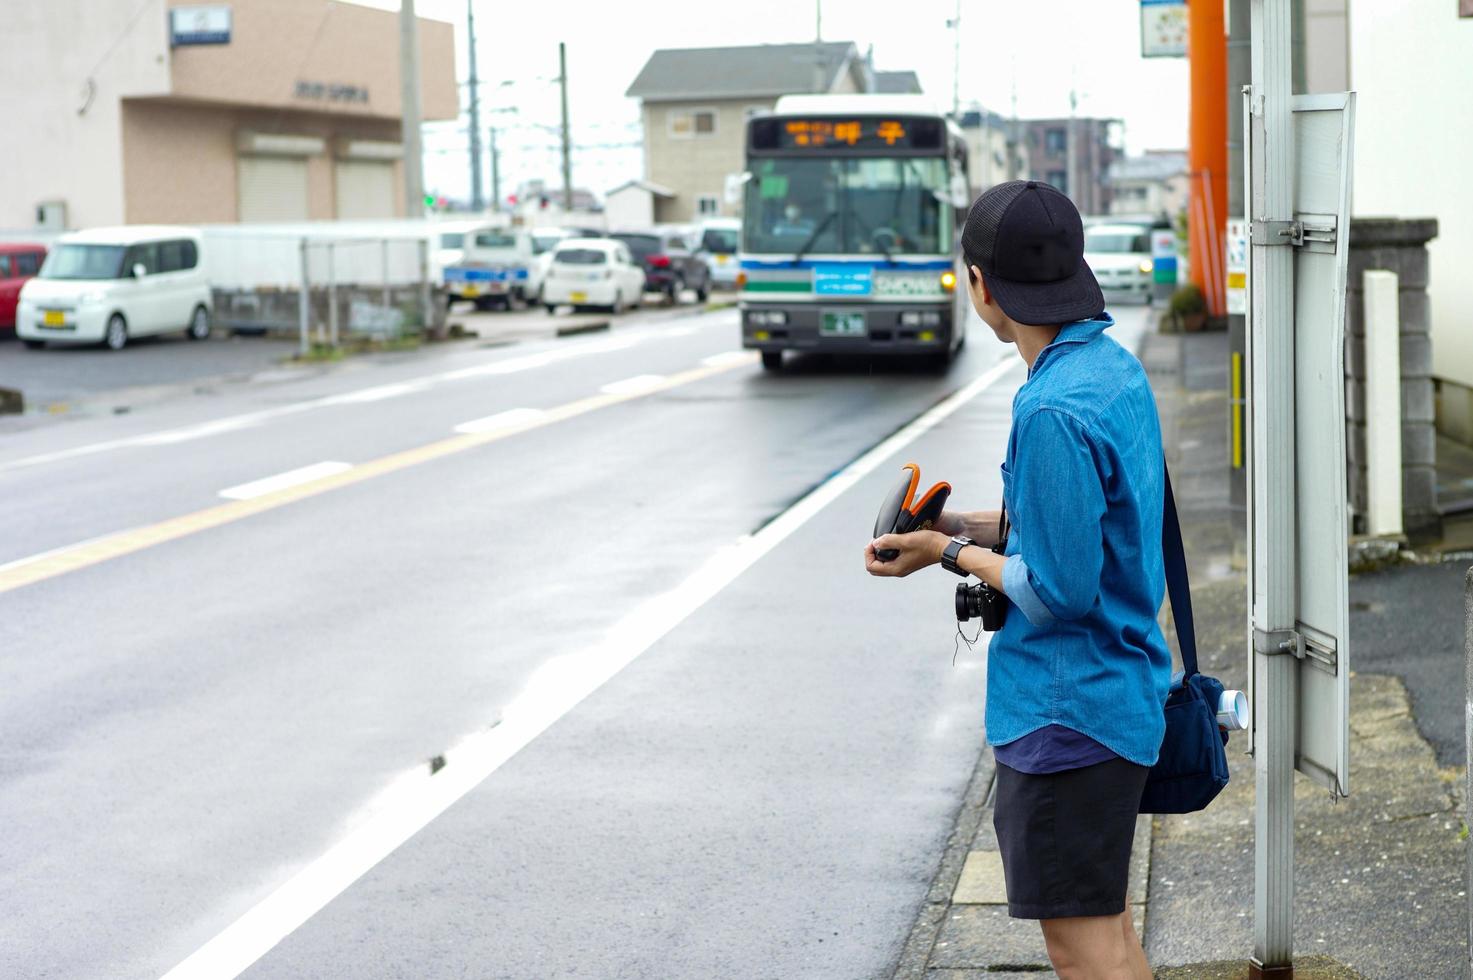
x,y
19,261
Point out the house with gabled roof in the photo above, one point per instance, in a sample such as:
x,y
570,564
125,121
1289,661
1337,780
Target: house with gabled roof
x,y
695,103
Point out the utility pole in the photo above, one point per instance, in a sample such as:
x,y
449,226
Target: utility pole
x,y
495,172
955,23
477,201
817,21
1274,526
414,184
1069,140
562,77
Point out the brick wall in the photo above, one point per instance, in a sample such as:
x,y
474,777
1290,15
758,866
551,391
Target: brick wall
x,y
1398,245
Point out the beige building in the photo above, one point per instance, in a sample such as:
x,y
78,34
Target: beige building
x,y
696,102
256,110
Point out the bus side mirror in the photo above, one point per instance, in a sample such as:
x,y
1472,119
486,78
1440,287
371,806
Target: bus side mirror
x,y
961,194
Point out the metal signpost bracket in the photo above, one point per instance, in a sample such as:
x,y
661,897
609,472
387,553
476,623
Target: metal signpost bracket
x,y
1273,643
1305,231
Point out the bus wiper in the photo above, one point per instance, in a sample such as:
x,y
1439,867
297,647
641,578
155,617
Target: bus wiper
x,y
813,237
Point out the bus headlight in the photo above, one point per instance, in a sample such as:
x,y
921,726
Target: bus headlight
x,y
920,318
948,280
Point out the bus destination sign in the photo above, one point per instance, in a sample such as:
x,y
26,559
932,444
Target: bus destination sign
x,y
870,133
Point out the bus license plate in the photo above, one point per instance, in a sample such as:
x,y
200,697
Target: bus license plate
x,y
469,290
842,325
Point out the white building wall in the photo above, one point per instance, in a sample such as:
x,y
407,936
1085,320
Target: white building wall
x,y
59,56
1410,66
630,207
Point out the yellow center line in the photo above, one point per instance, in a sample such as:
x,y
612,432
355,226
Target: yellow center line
x,y
87,553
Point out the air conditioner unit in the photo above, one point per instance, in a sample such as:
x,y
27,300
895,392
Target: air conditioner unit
x,y
51,216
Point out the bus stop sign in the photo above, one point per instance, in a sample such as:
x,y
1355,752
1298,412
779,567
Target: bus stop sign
x,y
1319,234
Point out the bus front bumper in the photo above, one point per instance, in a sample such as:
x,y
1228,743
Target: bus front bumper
x,y
900,328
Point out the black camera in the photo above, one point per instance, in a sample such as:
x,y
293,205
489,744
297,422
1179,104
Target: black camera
x,y
981,601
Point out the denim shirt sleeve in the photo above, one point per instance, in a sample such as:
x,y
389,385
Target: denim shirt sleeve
x,y
1058,501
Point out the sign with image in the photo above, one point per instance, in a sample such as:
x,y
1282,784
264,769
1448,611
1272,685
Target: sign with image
x,y
1163,28
1237,266
201,24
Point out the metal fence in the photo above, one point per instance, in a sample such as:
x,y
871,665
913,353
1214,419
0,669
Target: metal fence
x,y
325,287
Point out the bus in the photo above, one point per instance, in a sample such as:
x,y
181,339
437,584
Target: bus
x,y
851,209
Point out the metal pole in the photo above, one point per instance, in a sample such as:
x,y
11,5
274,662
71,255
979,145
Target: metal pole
x,y
1240,73
562,77
1272,482
414,185
477,202
304,304
1468,750
956,69
495,172
425,310
332,298
384,255
1069,137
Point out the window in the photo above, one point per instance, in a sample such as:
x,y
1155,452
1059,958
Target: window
x,y
621,254
846,206
145,254
1059,178
688,123
85,261
495,239
27,263
579,256
176,256
708,204
452,240
675,244
1055,141
4,267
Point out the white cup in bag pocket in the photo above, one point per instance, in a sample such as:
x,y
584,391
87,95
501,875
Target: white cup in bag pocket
x,y
1232,711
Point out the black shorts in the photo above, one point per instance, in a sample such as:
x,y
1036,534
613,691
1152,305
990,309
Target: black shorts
x,y
1065,838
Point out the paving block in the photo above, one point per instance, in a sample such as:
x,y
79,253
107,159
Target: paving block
x,y
1414,311
981,881
986,937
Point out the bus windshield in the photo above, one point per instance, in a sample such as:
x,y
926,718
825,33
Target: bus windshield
x,y
847,205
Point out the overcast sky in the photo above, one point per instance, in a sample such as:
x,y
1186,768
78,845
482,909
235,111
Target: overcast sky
x,y
1040,48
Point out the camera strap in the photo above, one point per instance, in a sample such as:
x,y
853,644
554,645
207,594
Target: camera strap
x,y
1178,589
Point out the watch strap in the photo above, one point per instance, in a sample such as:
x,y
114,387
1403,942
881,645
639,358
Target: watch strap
x,y
952,552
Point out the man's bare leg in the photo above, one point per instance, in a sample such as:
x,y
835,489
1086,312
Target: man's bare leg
x,y
1133,947
1090,948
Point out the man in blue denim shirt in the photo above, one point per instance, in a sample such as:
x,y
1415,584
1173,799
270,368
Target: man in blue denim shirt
x,y
1078,674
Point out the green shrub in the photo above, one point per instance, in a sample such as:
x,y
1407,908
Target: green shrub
x,y
1188,301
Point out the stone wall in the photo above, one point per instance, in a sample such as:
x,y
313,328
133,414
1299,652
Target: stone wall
x,y
1398,245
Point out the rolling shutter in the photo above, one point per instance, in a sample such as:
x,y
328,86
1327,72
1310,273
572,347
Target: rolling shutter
x,y
272,188
365,189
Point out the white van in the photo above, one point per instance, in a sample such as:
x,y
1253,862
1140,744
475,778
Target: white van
x,y
719,241
110,284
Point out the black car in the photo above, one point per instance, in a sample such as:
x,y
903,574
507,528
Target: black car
x,y
669,264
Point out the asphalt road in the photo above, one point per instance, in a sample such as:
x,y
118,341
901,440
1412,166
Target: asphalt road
x,y
593,687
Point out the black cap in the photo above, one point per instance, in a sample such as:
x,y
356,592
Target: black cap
x,y
1027,238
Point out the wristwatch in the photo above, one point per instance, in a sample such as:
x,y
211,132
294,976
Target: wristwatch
x,y
953,551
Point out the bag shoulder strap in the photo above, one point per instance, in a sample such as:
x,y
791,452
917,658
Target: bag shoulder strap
x,y
1177,587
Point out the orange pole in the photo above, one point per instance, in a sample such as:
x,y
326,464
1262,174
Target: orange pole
x,y
1207,150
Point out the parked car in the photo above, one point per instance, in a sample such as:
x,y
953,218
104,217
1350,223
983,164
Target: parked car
x,y
718,244
19,261
596,272
1120,257
668,262
111,284
544,243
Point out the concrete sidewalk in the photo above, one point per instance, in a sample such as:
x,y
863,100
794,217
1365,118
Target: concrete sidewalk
x,y
1379,876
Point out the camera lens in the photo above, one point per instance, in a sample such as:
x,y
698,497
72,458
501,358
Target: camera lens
x,y
964,608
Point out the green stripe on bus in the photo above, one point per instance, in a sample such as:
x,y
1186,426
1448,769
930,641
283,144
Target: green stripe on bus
x,y
778,286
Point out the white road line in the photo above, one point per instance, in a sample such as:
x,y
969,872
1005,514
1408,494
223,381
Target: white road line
x,y
729,357
629,386
233,423
291,478
377,393
555,688
508,419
